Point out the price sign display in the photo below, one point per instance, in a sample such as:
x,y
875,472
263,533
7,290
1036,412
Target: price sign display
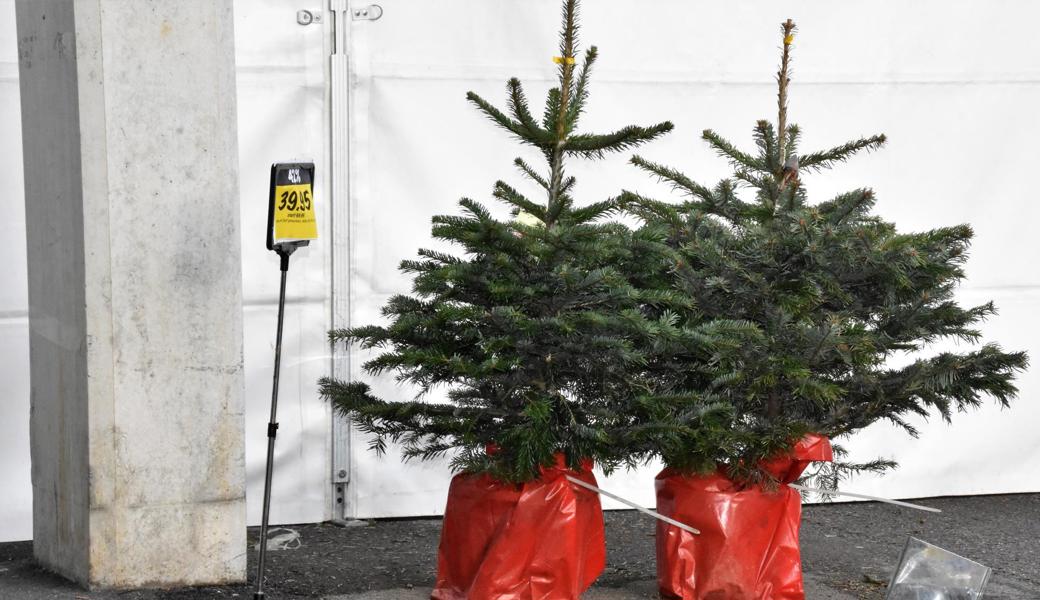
x,y
290,225
290,216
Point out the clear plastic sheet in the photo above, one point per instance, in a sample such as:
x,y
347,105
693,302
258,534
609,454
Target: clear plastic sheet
x,y
928,572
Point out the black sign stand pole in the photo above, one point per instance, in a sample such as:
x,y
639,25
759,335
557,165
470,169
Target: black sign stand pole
x,y
293,175
272,426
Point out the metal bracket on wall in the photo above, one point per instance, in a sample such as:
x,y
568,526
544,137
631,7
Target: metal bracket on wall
x,y
367,13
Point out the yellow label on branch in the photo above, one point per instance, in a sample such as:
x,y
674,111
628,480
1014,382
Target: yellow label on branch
x,y
294,213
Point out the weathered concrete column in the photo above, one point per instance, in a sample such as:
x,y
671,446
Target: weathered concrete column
x,y
131,171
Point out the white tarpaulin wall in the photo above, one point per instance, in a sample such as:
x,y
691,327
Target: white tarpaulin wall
x,y
281,117
15,489
954,84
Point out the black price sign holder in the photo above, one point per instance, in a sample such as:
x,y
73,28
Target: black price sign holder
x,y
290,225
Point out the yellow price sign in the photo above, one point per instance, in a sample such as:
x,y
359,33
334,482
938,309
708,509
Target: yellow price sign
x,y
294,212
291,212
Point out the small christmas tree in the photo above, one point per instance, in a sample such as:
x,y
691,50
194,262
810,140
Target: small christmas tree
x,y
535,330
837,295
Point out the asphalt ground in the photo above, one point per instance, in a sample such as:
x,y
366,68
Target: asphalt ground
x,y
848,551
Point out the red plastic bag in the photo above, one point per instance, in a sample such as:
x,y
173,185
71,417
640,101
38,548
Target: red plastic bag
x,y
541,540
748,546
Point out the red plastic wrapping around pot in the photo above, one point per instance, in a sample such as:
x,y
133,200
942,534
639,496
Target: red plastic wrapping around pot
x,y
541,540
748,546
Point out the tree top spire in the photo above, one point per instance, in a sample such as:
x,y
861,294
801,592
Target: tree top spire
x,y
782,79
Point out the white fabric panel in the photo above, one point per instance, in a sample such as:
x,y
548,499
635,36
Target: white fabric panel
x,y
954,85
281,117
16,485
15,482
281,99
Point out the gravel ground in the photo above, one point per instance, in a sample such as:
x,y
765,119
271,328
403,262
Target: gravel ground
x,y
849,550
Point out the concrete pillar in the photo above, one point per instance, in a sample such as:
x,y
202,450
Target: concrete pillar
x,y
135,293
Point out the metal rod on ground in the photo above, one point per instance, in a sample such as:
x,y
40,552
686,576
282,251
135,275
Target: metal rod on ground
x,y
641,509
272,432
802,488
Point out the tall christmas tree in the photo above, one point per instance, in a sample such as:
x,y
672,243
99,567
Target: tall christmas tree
x,y
535,329
838,297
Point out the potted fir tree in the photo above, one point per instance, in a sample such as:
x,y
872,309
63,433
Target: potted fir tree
x,y
538,338
834,293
